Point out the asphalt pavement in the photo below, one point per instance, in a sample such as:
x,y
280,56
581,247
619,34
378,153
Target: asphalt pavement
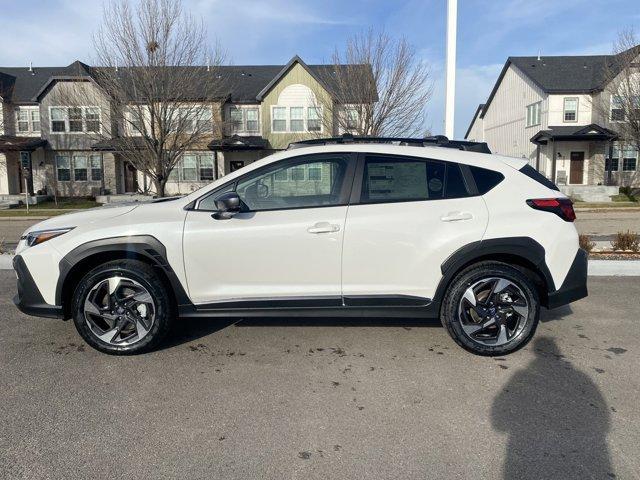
x,y
339,399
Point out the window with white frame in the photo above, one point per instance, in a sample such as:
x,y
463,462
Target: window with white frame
x,y
28,119
296,119
533,114
571,109
194,167
352,118
96,167
235,115
612,164
313,119
80,168
617,108
629,158
135,120
195,119
279,119
244,120
251,123
75,119
63,168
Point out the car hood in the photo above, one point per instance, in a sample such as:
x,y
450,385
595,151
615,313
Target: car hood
x,y
84,217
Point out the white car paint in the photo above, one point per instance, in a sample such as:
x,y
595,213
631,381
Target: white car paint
x,y
393,248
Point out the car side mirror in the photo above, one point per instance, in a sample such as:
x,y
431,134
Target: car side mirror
x,y
228,204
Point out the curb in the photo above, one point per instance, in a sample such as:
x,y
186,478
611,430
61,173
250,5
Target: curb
x,y
597,268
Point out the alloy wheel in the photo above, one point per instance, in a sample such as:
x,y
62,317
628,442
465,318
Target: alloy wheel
x,y
119,311
493,311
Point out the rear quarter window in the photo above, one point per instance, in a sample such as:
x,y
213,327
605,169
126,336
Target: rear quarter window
x,y
485,179
532,173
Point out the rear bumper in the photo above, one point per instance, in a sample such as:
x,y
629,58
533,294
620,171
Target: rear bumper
x,y
574,286
29,299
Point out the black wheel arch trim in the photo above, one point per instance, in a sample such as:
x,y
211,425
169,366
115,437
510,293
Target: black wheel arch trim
x,y
132,246
523,247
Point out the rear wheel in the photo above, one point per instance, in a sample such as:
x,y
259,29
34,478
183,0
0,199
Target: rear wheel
x,y
122,307
491,308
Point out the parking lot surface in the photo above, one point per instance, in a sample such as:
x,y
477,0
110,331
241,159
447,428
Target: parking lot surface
x,y
340,399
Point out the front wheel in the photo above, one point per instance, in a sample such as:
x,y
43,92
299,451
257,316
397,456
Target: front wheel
x,y
491,309
122,307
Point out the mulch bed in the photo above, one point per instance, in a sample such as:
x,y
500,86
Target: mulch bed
x,y
614,255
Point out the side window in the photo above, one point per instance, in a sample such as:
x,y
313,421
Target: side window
x,y
485,179
312,182
389,179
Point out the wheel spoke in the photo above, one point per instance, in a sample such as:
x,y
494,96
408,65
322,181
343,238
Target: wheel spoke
x,y
477,327
521,310
502,335
470,297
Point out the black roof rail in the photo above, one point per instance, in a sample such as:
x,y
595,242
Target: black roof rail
x,y
434,141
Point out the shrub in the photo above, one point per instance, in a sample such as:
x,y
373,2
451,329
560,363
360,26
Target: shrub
x,y
626,241
586,243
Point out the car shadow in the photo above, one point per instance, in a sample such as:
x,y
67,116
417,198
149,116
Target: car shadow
x,y
556,420
189,329
556,314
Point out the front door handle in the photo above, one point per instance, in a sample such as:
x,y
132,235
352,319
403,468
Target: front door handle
x,y
456,216
324,227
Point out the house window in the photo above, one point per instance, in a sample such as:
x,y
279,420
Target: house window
x,y
617,109
629,159
352,118
612,164
206,168
190,168
236,119
313,119
533,114
571,109
75,119
28,119
58,119
315,173
204,120
296,123
252,119
279,115
297,174
80,168
96,167
92,118
63,168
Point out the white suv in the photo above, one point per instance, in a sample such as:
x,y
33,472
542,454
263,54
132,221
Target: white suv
x,y
338,227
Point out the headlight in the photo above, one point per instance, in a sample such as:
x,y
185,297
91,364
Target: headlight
x,y
36,238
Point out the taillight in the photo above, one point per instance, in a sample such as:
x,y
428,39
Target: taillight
x,y
563,207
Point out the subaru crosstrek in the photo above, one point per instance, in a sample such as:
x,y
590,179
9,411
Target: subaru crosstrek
x,y
326,229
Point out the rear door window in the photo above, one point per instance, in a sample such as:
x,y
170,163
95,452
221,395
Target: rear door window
x,y
403,179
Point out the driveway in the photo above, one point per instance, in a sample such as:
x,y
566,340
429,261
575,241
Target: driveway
x,y
340,399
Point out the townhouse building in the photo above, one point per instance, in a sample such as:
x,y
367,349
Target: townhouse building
x,y
557,113
49,144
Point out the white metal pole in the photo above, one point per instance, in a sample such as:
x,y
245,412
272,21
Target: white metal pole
x,y
450,80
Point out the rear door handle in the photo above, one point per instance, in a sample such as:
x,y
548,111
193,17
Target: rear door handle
x,y
456,216
324,227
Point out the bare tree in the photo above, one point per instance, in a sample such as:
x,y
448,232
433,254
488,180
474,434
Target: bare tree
x,y
162,81
379,87
619,103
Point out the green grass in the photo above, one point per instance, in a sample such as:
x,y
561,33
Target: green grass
x,y
64,203
611,205
41,213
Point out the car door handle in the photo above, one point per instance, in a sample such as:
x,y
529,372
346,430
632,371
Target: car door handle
x,y
324,227
456,216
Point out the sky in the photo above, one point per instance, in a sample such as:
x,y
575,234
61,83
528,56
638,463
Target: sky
x,y
57,32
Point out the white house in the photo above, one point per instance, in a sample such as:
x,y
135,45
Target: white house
x,y
547,110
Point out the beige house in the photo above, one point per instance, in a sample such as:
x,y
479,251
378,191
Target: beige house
x,y
547,110
47,145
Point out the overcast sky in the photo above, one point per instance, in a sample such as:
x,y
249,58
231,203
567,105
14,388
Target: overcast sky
x,y
57,32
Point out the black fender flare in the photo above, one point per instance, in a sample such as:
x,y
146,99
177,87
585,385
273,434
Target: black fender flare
x,y
523,247
132,246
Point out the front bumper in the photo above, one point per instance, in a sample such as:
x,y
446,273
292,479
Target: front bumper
x,y
29,299
574,286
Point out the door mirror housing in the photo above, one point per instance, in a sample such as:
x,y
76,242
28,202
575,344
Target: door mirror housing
x,y
228,204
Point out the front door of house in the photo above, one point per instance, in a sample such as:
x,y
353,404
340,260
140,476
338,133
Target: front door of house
x,y
130,178
576,168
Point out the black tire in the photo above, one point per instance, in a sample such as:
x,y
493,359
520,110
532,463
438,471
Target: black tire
x,y
144,275
449,313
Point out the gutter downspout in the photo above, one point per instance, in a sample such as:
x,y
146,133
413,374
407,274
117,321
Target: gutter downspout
x,y
553,161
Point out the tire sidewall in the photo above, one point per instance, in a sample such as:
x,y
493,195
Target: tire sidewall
x,y
468,277
142,274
